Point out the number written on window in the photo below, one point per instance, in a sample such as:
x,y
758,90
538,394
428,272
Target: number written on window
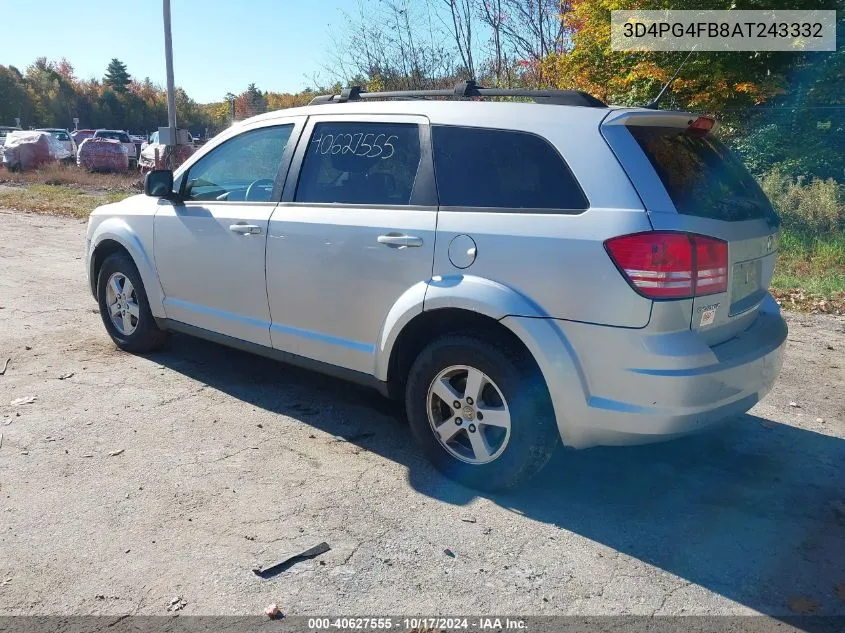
x,y
360,163
363,144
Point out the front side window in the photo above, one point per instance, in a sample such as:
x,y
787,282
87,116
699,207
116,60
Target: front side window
x,y
478,167
360,163
243,169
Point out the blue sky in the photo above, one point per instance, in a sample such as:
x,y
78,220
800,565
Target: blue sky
x,y
218,45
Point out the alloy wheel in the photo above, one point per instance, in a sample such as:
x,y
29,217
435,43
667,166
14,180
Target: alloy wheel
x,y
468,414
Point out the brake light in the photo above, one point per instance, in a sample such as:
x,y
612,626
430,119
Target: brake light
x,y
662,265
701,126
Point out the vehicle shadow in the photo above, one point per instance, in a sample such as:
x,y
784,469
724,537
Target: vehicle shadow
x,y
754,512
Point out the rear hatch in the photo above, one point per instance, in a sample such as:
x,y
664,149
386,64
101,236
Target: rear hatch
x,y
691,182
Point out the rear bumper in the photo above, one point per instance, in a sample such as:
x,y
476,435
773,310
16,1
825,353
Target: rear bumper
x,y
614,386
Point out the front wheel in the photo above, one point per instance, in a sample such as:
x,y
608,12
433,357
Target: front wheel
x,y
124,307
481,411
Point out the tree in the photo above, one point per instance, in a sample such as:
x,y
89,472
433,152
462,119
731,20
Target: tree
x,y
533,30
52,93
461,12
708,81
250,102
397,45
15,101
810,115
117,76
492,14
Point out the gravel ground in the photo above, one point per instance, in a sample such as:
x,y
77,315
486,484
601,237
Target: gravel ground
x,y
131,481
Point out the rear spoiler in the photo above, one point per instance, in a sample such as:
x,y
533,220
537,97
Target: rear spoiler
x,y
659,118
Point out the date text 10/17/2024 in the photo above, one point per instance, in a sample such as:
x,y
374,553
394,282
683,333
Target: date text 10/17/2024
x,y
417,623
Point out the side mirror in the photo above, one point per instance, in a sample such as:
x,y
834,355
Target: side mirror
x,y
159,183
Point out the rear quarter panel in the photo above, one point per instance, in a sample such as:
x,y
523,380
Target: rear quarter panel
x,y
556,261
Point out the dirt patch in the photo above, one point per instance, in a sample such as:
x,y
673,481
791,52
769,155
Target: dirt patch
x,y
139,479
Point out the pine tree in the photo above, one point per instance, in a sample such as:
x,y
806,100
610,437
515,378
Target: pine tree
x,y
116,75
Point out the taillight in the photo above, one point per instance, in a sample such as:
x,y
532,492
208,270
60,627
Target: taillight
x,y
701,126
662,265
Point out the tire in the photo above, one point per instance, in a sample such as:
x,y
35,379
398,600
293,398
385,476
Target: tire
x,y
516,383
142,334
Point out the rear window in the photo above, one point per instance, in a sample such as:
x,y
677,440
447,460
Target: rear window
x,y
701,175
123,138
478,167
61,136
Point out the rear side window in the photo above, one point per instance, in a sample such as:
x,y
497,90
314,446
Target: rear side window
x,y
701,175
360,163
477,167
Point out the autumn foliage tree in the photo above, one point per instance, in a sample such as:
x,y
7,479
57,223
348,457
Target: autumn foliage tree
x,y
48,93
708,81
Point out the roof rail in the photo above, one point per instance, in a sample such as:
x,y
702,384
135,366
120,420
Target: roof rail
x,y
467,89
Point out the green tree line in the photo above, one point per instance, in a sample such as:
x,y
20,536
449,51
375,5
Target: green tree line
x,y
48,94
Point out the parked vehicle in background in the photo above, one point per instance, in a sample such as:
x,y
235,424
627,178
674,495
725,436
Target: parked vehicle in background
x,y
518,274
139,140
102,154
30,149
63,137
152,153
123,138
154,139
80,135
5,129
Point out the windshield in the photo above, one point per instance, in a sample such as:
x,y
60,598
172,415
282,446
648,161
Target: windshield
x,y
61,136
701,175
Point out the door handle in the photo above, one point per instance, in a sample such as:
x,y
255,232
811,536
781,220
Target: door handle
x,y
395,240
245,229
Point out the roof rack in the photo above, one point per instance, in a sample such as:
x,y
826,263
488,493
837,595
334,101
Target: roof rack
x,y
467,89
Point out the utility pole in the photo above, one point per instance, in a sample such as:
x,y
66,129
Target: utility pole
x,y
171,90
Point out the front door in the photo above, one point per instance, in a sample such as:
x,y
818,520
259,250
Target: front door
x,y
355,230
209,246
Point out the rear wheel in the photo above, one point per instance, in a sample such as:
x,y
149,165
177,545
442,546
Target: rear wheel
x,y
480,411
124,308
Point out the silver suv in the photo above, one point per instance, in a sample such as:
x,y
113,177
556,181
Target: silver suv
x,y
518,273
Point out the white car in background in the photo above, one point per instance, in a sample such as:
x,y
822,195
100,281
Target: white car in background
x,y
153,152
63,137
123,137
5,129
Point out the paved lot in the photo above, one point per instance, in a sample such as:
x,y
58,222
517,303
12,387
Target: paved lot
x,y
230,460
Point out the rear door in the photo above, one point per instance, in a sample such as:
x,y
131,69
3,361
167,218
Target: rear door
x,y
354,231
690,182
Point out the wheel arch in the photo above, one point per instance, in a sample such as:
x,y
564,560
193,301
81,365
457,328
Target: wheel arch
x,y
447,305
431,324
115,235
441,306
105,248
